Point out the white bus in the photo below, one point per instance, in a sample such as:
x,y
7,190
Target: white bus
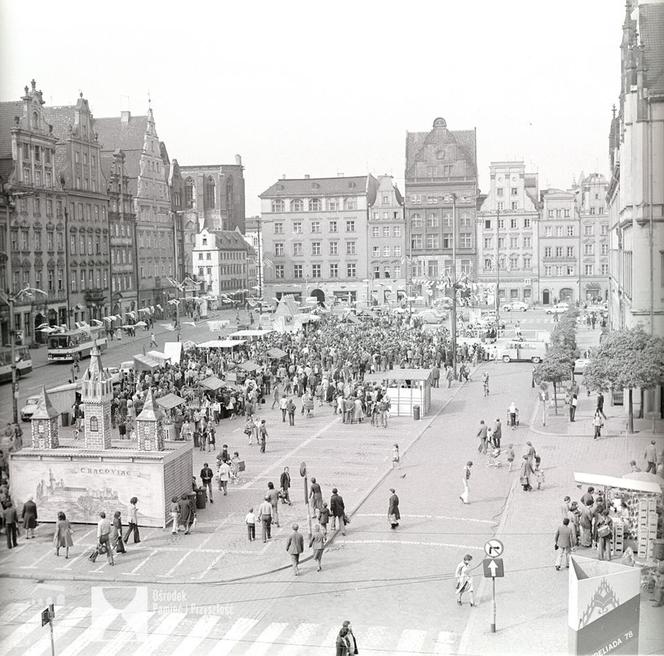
x,y
522,351
71,345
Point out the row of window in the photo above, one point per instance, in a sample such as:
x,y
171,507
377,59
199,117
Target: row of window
x,y
316,248
387,251
464,220
92,279
513,223
559,213
500,191
393,272
589,230
314,227
313,204
156,269
20,240
316,271
121,255
121,282
432,269
570,270
560,231
121,230
526,242
37,206
150,239
54,278
512,263
431,242
386,216
385,231
83,244
224,270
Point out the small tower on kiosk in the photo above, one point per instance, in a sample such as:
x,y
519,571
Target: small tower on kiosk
x,y
44,424
148,426
96,396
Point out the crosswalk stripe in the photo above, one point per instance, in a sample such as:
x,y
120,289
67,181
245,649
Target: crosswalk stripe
x,y
330,638
22,632
265,640
239,629
376,637
12,611
411,641
61,627
445,642
116,645
301,637
160,634
200,631
95,631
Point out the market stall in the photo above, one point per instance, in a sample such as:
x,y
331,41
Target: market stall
x,y
409,390
168,403
221,343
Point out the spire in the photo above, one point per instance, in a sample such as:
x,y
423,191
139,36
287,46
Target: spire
x,y
150,411
45,409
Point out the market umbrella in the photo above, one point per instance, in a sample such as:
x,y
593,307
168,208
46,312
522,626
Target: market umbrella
x,y
646,477
141,323
276,353
212,383
170,401
249,366
41,326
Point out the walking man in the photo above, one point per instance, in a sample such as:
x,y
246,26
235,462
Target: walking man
x,y
651,457
464,580
262,435
153,341
338,511
466,482
11,521
206,477
497,433
544,402
600,404
482,434
317,543
295,546
265,518
393,515
273,496
350,637
285,482
133,521
224,473
564,541
103,536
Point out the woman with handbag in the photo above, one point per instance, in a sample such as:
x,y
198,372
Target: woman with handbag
x,y
116,533
604,533
62,537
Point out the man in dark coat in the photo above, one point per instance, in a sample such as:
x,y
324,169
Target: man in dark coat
x,y
11,519
338,511
285,483
29,516
393,514
295,546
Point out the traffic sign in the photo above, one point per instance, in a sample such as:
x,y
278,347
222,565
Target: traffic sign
x,y
493,568
48,614
493,548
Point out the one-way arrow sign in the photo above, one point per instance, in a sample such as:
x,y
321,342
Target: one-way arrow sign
x,y
493,568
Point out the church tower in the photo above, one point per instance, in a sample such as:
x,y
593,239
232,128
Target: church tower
x,y
44,424
96,396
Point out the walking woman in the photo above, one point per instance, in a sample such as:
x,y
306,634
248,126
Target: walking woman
x,y
598,422
116,533
393,515
317,543
526,473
175,514
133,522
62,537
316,497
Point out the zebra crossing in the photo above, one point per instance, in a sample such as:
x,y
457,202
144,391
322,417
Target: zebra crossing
x,y
79,632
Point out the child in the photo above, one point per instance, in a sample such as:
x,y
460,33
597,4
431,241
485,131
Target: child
x,y
249,430
395,456
510,456
235,468
324,518
539,474
250,521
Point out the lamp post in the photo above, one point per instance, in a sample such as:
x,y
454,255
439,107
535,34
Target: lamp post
x,y
186,285
498,272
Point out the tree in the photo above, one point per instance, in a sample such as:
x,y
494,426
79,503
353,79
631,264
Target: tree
x,y
556,367
627,359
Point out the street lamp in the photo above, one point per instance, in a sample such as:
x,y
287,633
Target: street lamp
x,y
10,299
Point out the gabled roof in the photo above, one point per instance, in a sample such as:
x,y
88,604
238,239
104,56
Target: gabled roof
x,y
8,110
314,187
44,408
231,240
61,118
127,135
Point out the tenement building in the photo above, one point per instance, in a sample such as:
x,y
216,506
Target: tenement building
x,y
32,246
315,237
441,192
507,235
635,195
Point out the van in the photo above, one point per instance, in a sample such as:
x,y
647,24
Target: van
x,y
522,351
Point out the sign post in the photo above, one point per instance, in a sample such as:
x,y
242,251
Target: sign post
x,y
303,473
47,617
493,568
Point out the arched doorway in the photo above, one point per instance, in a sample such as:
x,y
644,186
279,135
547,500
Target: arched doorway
x,y
319,295
546,297
566,295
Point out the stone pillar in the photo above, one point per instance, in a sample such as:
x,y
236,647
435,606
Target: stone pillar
x,y
44,425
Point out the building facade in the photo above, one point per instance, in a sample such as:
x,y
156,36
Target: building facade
x,y
32,238
147,172
635,194
221,261
441,182
79,170
594,238
386,244
507,235
315,237
253,235
558,241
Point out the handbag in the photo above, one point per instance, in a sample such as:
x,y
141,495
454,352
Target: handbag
x,y
603,531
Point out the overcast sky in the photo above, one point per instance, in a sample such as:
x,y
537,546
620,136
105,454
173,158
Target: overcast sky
x,y
312,87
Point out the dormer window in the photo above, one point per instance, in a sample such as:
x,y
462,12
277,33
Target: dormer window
x,y
204,240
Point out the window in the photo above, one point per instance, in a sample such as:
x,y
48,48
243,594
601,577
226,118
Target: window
x,y
513,223
315,270
350,225
397,251
375,231
38,242
526,223
559,213
514,242
433,221
605,270
588,231
375,251
432,268
566,213
278,247
397,271
500,205
297,227
548,231
334,270
279,271
559,251
208,255
334,248
487,224
297,271
527,262
315,227
416,241
547,270
416,221
488,243
397,231
550,214
592,210
527,242
333,226
488,264
315,205
465,240
499,192
350,204
432,242
315,248
570,231
569,270
351,270
350,248
515,205
589,249
386,231
296,205
279,228
588,269
332,204
501,224
604,249
277,205
604,229
514,262
559,231
547,251
570,251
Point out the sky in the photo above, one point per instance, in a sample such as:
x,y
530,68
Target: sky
x,y
322,88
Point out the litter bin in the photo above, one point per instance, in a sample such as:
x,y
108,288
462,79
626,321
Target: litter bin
x,y
416,412
201,498
65,418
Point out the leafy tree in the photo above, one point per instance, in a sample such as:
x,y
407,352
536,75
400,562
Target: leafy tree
x,y
556,367
627,359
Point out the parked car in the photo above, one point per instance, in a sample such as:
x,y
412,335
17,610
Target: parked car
x,y
522,351
559,308
580,365
29,408
515,306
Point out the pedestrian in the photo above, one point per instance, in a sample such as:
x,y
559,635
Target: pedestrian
x,y
544,403
315,497
175,515
116,533
497,433
604,528
317,543
513,413
585,525
324,518
482,433
224,473
525,474
62,536
573,400
285,483
206,478
29,517
273,496
132,526
338,511
538,473
265,518
249,430
464,496
450,377
185,514
464,582
597,424
10,519
650,456
393,515
290,409
250,521
342,643
352,642
153,341
395,456
565,540
531,453
600,405
262,435
295,546
103,537
510,456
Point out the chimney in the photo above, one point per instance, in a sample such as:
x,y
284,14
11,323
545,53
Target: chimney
x,y
283,176
238,160
306,176
125,116
340,174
